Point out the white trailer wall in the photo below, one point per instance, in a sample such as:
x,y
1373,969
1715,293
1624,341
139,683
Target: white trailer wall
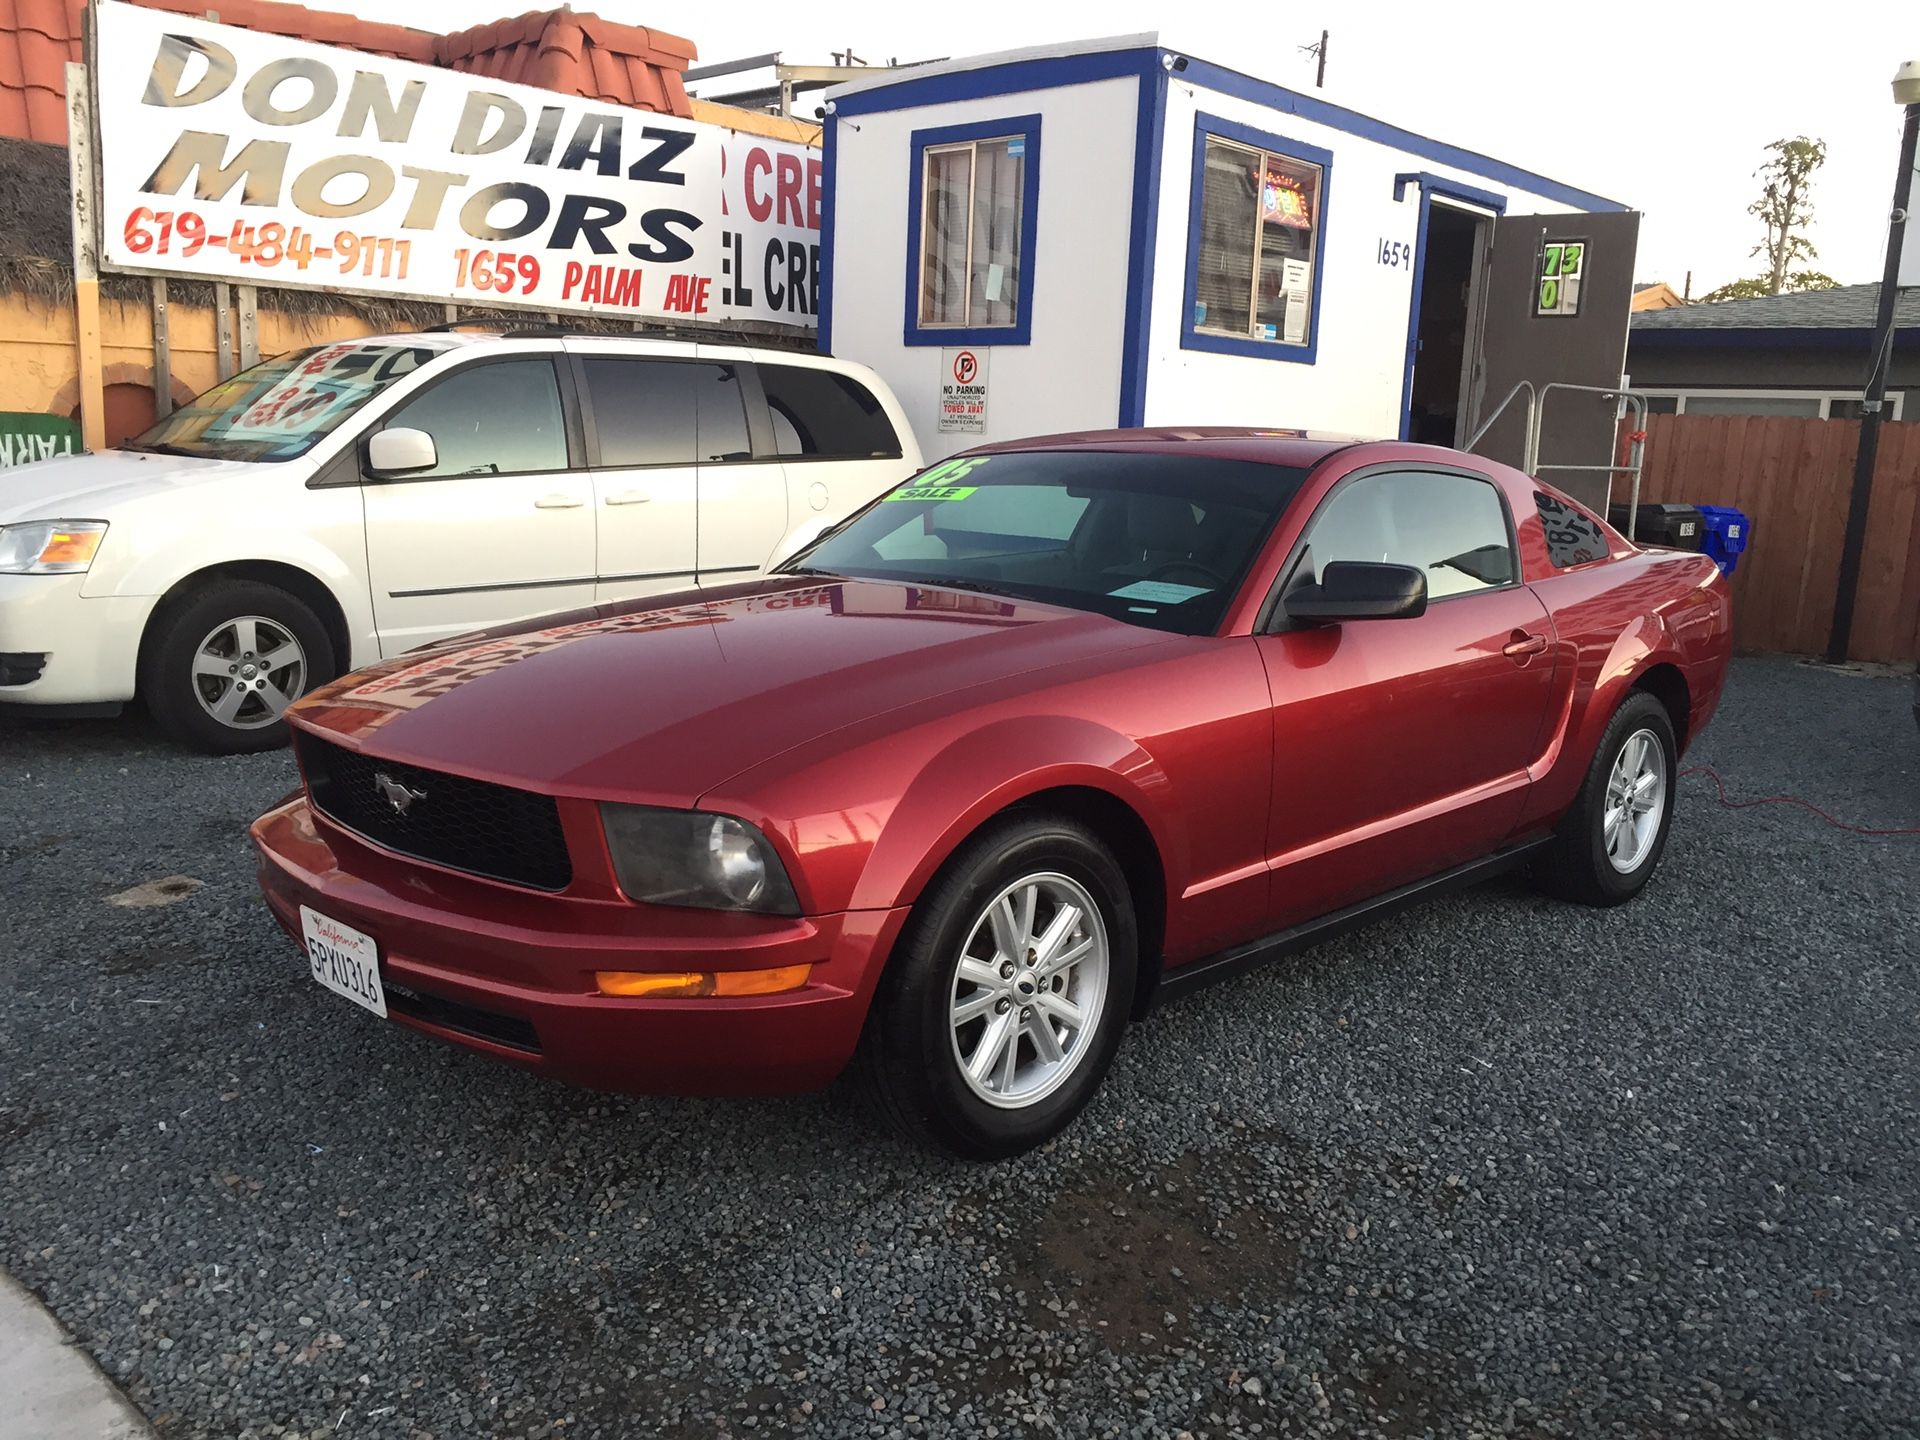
x,y
1355,383
1068,375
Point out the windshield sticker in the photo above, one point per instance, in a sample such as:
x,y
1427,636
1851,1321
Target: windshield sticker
x,y
933,492
937,483
1161,592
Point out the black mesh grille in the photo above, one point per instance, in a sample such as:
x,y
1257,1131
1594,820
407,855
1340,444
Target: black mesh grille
x,y
471,825
21,669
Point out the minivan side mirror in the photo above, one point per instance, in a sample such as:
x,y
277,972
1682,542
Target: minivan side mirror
x,y
1360,590
400,451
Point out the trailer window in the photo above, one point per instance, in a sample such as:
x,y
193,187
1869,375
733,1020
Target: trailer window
x,y
972,225
1255,256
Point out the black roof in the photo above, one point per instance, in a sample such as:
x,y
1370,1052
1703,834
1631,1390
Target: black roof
x,y
1845,307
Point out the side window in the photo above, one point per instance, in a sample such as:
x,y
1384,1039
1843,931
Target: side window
x,y
1452,527
825,415
666,412
1573,536
492,419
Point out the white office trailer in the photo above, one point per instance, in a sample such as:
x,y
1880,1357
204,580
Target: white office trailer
x,y
1118,233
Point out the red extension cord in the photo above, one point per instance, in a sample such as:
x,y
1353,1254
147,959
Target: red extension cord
x,y
1721,786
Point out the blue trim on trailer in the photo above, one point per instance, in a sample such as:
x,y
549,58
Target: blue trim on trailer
x,y
1027,129
1261,92
1011,78
1136,333
1430,186
1192,337
830,181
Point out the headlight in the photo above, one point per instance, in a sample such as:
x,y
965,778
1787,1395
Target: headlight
x,y
685,857
50,547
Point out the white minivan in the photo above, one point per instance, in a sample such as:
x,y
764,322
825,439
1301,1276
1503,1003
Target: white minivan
x,y
345,503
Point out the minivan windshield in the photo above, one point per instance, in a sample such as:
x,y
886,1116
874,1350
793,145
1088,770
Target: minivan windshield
x,y
1151,538
282,408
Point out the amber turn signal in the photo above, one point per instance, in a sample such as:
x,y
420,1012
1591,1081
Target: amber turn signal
x,y
678,984
70,549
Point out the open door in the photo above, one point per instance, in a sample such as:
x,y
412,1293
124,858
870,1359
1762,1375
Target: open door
x,y
1553,306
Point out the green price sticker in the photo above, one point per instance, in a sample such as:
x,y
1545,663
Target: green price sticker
x,y
937,483
933,492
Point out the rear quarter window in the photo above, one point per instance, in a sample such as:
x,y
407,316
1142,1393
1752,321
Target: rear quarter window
x,y
1573,536
825,415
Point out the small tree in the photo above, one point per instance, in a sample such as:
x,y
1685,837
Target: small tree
x,y
1785,209
1755,288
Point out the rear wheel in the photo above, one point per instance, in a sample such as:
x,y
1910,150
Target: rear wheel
x,y
1611,841
225,661
1005,999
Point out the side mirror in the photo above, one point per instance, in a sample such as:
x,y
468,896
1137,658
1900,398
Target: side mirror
x,y
1360,590
400,451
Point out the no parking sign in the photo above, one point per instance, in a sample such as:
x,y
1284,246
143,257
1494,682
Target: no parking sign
x,y
963,392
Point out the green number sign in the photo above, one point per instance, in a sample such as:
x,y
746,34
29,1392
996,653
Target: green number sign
x,y
1561,263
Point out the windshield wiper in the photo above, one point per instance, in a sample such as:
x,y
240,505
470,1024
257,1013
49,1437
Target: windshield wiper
x,y
154,449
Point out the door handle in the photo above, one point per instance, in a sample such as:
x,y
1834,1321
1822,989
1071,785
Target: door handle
x,y
558,502
629,497
1521,645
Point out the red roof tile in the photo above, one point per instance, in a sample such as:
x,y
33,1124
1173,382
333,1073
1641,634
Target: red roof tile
x,y
573,53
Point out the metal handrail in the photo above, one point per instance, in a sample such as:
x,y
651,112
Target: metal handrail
x,y
1632,467
1533,403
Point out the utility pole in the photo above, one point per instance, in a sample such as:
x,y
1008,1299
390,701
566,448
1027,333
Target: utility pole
x,y
1320,51
1906,89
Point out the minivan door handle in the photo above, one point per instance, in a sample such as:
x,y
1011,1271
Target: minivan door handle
x,y
629,497
558,502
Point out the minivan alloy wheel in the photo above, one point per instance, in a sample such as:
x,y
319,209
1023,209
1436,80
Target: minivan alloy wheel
x,y
1028,990
247,671
1636,801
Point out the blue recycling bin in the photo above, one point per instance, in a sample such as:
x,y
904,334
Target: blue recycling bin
x,y
1728,531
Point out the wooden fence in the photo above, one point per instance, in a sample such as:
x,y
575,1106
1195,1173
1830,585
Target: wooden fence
x,y
1795,477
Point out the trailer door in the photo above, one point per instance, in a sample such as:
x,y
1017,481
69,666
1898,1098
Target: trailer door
x,y
1552,306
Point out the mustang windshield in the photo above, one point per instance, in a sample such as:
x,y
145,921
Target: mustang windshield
x,y
1154,539
283,408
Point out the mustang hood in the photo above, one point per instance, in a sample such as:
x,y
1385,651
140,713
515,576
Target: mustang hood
x,y
660,703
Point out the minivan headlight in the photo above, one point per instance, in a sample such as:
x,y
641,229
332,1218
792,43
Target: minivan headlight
x,y
688,857
50,547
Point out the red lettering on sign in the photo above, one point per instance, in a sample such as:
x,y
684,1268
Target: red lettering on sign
x,y
575,270
759,165
625,289
790,189
814,169
687,294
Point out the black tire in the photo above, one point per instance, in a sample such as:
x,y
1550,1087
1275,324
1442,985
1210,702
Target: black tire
x,y
908,1056
172,691
1577,866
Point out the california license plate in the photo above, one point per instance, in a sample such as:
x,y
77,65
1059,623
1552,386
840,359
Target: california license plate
x,y
345,960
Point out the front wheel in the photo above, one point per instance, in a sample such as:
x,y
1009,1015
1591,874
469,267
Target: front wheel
x,y
1006,996
223,663
1609,844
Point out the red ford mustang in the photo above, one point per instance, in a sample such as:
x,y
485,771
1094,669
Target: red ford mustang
x,y
1057,730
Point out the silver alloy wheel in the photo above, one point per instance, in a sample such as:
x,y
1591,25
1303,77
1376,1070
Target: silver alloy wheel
x,y
1636,801
1028,990
248,671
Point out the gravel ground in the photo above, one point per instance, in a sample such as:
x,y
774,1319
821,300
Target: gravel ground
x,y
1498,1166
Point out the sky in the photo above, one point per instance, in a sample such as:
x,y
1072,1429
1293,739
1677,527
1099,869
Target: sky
x,y
1669,108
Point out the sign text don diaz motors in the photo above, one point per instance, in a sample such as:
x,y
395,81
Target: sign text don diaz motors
x,y
250,157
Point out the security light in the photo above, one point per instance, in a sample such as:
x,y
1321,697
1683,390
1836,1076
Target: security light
x,y
1906,84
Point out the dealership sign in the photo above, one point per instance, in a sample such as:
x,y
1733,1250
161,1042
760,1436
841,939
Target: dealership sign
x,y
228,154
